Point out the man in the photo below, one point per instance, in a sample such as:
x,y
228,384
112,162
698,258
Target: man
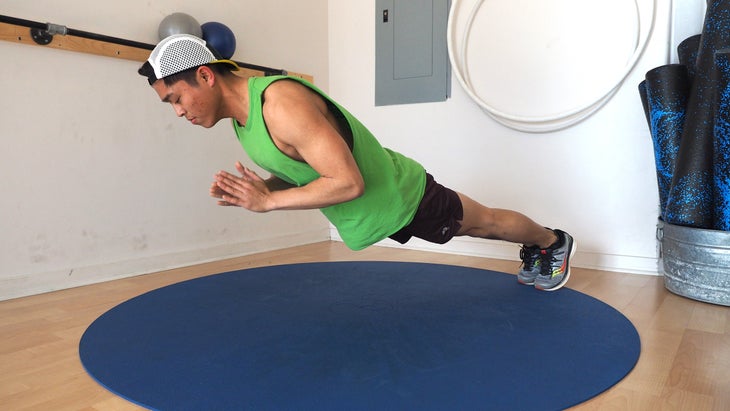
x,y
320,156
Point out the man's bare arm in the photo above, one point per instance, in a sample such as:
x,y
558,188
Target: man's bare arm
x,y
298,124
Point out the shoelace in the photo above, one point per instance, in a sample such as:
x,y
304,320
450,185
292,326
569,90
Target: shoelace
x,y
528,255
546,262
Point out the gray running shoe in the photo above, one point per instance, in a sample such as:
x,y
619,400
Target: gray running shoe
x,y
555,263
530,257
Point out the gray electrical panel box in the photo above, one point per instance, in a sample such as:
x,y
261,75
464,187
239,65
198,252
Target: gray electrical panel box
x,y
411,56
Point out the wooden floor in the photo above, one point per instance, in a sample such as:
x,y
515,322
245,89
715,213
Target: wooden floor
x,y
684,363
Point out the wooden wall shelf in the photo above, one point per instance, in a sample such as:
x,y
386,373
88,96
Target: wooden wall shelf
x,y
50,35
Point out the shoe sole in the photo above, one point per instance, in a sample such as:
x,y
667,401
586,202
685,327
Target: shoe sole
x,y
567,273
525,283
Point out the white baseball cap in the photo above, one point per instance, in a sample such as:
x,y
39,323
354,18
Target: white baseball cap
x,y
180,52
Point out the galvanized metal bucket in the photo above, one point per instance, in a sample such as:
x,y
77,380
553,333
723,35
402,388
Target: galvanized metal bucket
x,y
696,262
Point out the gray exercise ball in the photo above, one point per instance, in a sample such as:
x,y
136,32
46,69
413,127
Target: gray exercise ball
x,y
179,23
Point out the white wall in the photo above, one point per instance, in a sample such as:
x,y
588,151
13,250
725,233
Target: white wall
x,y
596,179
99,179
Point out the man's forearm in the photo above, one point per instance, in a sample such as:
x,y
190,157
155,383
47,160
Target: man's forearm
x,y
322,192
274,183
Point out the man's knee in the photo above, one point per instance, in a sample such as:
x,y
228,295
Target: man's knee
x,y
479,220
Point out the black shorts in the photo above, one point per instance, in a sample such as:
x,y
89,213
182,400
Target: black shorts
x,y
437,218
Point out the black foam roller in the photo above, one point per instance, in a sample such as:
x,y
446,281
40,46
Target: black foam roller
x,y
667,90
687,53
691,198
721,176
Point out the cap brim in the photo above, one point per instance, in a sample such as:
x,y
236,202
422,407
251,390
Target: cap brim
x,y
229,62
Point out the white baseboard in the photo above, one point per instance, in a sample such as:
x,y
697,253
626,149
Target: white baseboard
x,y
506,251
38,283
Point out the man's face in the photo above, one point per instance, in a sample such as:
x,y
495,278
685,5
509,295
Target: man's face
x,y
195,103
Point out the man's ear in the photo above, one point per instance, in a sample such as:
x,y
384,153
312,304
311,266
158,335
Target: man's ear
x,y
206,74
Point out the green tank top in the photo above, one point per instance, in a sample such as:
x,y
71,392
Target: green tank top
x,y
394,183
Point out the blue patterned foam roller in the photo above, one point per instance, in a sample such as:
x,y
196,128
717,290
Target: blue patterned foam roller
x,y
666,92
721,180
691,197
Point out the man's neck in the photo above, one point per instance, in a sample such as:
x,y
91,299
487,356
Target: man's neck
x,y
236,98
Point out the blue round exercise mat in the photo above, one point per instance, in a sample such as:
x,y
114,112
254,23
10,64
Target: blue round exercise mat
x,y
359,336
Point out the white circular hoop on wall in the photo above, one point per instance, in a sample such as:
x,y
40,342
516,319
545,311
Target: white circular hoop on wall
x,y
538,66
